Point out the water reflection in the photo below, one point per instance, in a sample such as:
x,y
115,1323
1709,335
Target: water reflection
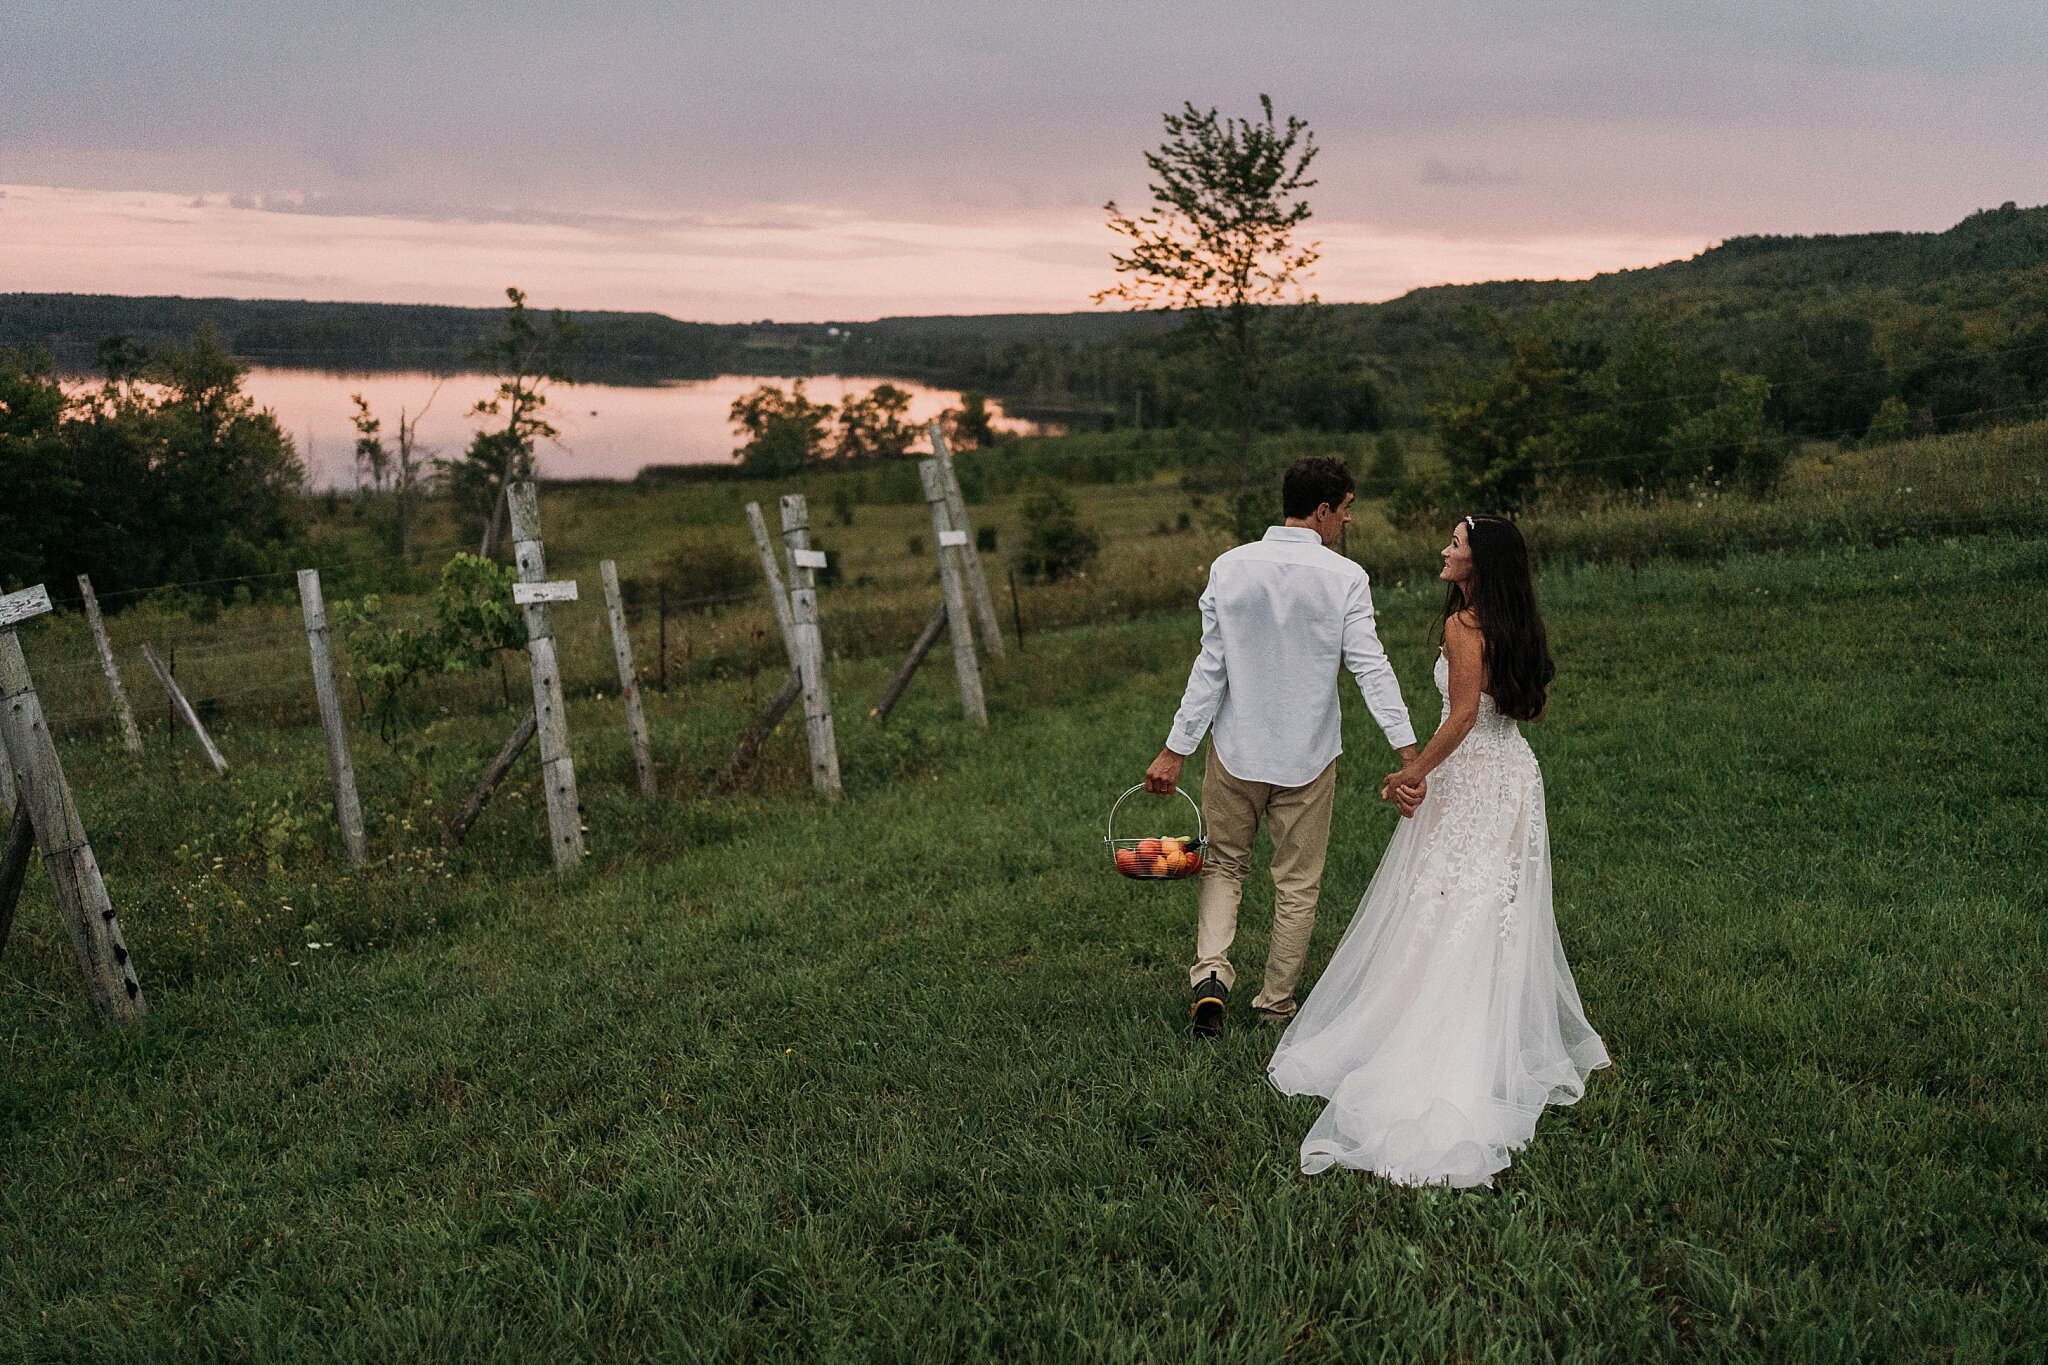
x,y
608,431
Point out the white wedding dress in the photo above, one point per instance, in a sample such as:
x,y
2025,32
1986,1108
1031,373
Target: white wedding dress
x,y
1447,1019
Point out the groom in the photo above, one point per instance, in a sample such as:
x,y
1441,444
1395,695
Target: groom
x,y
1278,617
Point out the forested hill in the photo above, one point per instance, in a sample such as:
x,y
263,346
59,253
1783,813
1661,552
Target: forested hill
x,y
616,346
354,336
1954,323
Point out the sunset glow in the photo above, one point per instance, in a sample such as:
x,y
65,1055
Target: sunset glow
x,y
791,263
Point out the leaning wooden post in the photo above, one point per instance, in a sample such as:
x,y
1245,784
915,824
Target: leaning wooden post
x,y
629,685
810,643
6,782
348,812
970,553
757,734
183,707
21,841
46,802
129,733
534,592
926,638
479,797
947,540
776,595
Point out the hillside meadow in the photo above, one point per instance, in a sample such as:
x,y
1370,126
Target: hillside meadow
x,y
908,1078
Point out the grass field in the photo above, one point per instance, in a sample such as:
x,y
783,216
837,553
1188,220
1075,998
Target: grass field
x,y
908,1078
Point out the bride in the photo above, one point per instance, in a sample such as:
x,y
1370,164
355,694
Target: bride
x,y
1447,1019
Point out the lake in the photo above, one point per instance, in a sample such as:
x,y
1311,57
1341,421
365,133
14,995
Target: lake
x,y
608,431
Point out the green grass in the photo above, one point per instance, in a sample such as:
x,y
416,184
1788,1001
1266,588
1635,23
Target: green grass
x,y
908,1078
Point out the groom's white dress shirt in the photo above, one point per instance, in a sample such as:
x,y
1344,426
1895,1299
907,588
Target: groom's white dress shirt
x,y
1278,617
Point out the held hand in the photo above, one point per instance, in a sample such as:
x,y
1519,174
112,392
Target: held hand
x,y
1164,774
1406,789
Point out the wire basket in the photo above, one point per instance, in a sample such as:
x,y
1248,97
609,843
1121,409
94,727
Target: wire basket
x,y
1156,857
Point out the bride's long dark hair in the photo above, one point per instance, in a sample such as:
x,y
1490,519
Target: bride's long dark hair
x,y
1518,663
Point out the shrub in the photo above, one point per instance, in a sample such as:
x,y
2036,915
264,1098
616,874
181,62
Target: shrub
x,y
1389,467
711,569
1057,543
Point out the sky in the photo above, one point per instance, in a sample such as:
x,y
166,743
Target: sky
x,y
815,161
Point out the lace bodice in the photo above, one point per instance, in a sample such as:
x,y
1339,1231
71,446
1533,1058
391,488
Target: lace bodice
x,y
1491,723
1479,836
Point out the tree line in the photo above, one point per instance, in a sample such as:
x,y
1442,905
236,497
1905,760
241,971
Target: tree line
x,y
164,471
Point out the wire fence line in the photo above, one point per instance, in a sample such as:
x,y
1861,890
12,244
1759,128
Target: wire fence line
x,y
250,663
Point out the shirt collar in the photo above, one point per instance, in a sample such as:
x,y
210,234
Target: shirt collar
x,y
1293,533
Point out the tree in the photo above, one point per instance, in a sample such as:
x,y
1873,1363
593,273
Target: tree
x,y
181,477
36,486
785,431
968,427
1220,246
1892,422
875,426
1057,544
1389,468
402,469
526,358
1566,410
474,619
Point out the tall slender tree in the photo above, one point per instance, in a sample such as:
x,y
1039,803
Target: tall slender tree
x,y
1219,244
527,358
399,470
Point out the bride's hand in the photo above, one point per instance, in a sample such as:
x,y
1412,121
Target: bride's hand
x,y
1406,790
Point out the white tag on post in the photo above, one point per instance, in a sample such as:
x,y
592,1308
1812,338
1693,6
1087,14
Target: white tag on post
x,y
17,607
809,559
952,537
531,594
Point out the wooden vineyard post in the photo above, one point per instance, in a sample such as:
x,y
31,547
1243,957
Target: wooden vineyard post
x,y
46,802
947,540
479,797
775,593
348,812
6,782
970,553
183,707
629,685
926,638
550,708
804,562
21,841
130,735
757,734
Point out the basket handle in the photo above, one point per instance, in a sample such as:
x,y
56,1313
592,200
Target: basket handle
x,y
1109,837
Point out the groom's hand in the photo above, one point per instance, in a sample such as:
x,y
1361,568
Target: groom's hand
x,y
1164,774
1408,787
1407,798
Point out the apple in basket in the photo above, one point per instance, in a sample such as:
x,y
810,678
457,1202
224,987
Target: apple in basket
x,y
1149,848
1127,861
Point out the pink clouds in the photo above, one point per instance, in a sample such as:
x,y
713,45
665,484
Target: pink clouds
x,y
786,262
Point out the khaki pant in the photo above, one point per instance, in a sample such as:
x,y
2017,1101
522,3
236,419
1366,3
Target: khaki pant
x,y
1300,820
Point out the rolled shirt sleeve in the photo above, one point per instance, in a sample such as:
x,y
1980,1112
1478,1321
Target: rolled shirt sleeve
x,y
1207,682
1367,660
